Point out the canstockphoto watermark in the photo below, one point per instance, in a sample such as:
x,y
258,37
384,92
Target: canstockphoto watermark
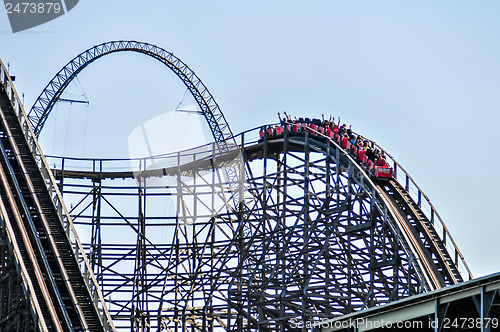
x,y
345,324
446,323
26,14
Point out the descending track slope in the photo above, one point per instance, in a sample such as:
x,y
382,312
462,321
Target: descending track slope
x,y
429,243
63,300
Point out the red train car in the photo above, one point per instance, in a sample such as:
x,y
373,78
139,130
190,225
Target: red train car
x,y
383,172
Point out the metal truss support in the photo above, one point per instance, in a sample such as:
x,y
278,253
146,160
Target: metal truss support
x,y
483,303
437,318
315,231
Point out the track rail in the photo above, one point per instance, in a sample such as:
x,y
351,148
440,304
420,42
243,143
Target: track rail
x,y
27,234
423,229
69,300
34,290
433,280
423,204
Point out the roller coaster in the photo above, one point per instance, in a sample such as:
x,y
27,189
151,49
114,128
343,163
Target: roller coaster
x,y
249,233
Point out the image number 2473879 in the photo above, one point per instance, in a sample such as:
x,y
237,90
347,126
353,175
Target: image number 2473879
x,y
26,14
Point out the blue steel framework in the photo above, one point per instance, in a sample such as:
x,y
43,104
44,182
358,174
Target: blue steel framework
x,y
314,236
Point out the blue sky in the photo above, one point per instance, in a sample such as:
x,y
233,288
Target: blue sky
x,y
422,78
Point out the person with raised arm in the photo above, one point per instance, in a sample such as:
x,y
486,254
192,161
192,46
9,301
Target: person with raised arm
x,y
283,120
359,143
287,117
325,123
